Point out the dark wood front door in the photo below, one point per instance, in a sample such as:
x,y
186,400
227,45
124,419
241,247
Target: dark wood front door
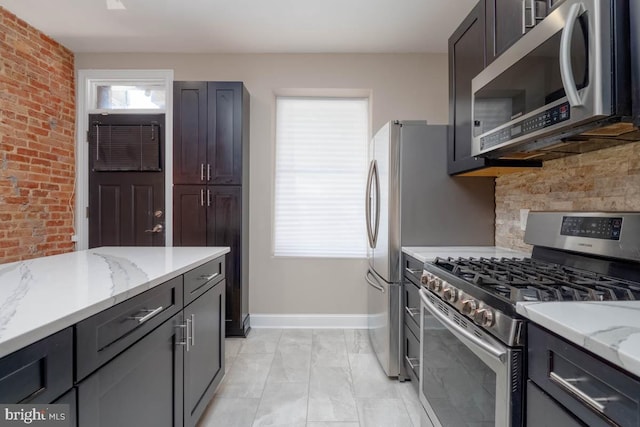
x,y
126,180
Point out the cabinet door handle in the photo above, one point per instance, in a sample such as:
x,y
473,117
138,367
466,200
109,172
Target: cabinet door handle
x,y
193,330
412,311
208,172
208,197
201,171
185,339
202,197
149,314
188,338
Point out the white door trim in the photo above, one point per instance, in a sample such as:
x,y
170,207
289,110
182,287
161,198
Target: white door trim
x,y
84,79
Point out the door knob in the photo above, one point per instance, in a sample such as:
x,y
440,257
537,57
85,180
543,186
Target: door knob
x,y
156,229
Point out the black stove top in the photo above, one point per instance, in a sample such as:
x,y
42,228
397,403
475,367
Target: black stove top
x,y
513,280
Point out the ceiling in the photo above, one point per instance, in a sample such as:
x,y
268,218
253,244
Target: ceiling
x,y
246,26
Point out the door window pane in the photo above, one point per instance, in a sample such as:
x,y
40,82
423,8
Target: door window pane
x,y
124,97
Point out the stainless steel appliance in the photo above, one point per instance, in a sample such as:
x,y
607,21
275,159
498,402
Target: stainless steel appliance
x,y
565,87
411,201
473,342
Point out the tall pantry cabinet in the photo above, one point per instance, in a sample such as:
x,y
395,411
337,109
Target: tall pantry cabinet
x,y
211,182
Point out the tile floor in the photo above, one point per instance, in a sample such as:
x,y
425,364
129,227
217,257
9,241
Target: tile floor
x,y
309,378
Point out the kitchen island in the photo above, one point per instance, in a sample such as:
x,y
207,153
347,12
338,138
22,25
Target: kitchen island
x,y
110,330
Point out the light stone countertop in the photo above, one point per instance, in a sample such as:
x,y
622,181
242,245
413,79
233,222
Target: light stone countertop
x,y
41,296
609,329
429,253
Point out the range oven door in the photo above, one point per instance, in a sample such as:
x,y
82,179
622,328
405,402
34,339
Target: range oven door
x,y
467,377
557,77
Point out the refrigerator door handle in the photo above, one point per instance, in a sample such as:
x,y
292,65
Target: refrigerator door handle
x,y
367,208
377,227
375,285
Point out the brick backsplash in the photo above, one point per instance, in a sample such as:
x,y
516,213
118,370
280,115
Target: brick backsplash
x,y
37,143
604,180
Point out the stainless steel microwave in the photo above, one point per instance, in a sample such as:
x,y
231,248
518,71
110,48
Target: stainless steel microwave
x,y
563,88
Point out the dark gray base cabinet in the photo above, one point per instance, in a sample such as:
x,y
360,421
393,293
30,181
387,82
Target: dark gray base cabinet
x,y
140,387
204,362
39,373
568,386
164,371
411,319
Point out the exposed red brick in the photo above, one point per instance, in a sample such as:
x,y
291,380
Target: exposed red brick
x,y
38,170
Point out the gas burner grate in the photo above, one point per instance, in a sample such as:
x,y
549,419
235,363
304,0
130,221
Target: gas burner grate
x,y
527,279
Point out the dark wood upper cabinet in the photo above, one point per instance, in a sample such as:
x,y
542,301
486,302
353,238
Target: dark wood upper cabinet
x,y
224,150
189,132
504,25
467,58
208,132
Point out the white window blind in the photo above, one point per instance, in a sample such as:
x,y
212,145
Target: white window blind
x,y
321,166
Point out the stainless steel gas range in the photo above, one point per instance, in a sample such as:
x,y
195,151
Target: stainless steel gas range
x,y
473,342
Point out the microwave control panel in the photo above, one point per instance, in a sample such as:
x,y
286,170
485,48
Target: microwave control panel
x,y
550,117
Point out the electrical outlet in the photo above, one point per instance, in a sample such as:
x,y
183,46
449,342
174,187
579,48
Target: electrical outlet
x,y
74,238
524,214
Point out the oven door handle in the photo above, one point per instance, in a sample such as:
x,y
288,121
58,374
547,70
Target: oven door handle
x,y
491,351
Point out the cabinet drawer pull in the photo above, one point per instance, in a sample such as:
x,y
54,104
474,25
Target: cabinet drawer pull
x,y
413,271
149,314
593,402
413,362
412,311
207,277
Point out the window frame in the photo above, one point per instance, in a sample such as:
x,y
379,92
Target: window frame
x,y
318,94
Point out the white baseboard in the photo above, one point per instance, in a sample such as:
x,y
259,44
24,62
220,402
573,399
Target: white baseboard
x,y
309,321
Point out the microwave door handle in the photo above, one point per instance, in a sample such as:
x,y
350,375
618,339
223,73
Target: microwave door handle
x,y
367,208
566,69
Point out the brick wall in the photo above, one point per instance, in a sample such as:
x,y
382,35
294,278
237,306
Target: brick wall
x,y
604,180
37,125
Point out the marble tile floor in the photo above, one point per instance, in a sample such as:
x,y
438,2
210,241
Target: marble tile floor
x,y
309,378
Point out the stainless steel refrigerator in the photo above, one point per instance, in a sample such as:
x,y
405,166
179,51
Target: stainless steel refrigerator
x,y
412,201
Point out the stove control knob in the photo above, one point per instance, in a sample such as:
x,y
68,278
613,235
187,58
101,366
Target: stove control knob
x,y
435,284
469,307
424,279
484,317
450,294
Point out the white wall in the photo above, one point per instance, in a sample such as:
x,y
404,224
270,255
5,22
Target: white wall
x,y
403,86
